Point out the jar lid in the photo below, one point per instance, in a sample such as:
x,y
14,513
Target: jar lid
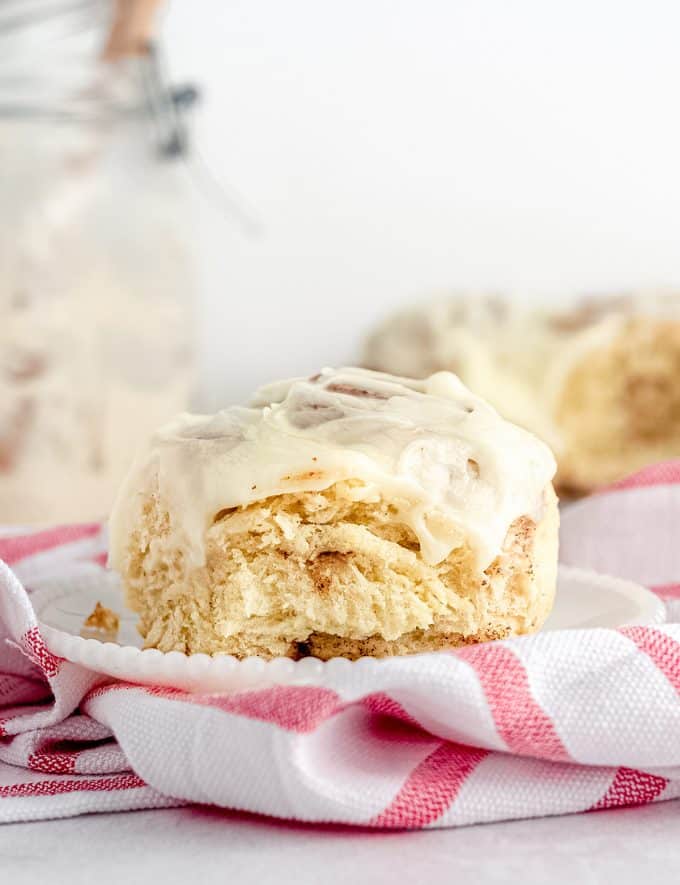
x,y
97,63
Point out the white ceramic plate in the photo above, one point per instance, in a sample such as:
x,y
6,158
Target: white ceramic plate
x,y
584,599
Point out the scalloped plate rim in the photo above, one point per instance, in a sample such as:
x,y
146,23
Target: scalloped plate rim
x,y
223,672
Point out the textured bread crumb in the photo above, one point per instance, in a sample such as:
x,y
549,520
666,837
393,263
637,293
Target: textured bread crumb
x,y
320,573
101,622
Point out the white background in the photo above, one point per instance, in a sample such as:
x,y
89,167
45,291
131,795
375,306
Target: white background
x,y
393,149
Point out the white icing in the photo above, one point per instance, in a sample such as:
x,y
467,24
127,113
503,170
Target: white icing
x,y
515,355
451,465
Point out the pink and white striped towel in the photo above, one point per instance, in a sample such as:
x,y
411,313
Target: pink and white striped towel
x,y
559,722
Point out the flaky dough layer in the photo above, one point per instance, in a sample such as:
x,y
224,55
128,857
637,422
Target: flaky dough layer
x,y
319,573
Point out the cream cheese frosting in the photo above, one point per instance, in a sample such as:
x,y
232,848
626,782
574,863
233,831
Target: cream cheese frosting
x,y
452,468
516,355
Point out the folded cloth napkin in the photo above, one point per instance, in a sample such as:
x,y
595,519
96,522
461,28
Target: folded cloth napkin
x,y
559,722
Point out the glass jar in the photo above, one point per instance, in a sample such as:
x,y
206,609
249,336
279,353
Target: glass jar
x,y
95,261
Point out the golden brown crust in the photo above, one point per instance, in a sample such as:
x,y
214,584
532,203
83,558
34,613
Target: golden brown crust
x,y
325,647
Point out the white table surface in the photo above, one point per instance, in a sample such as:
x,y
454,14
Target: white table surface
x,y
201,846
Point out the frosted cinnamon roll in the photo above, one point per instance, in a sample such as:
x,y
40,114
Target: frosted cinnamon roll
x,y
598,380
352,513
